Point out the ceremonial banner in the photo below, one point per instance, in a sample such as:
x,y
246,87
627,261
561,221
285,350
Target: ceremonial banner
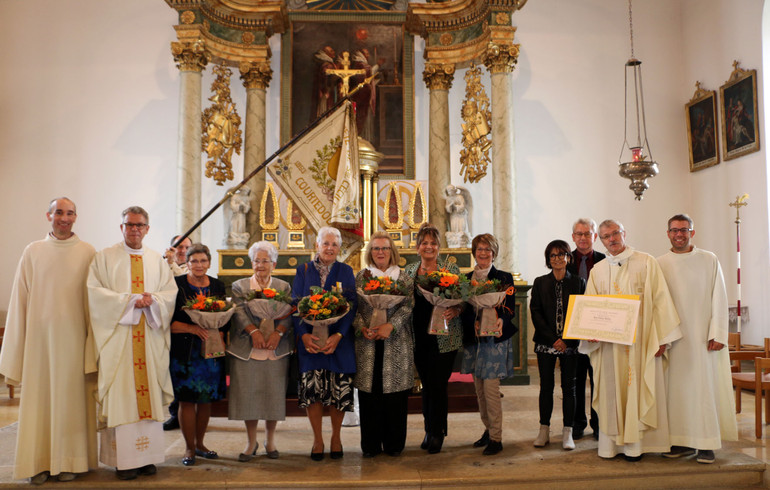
x,y
610,318
320,174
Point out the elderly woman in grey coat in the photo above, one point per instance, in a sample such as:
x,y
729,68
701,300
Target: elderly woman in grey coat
x,y
384,356
259,364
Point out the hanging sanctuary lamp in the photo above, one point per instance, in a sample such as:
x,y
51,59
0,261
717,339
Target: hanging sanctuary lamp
x,y
635,161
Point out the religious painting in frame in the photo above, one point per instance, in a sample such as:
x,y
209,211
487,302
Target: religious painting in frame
x,y
738,107
702,138
313,70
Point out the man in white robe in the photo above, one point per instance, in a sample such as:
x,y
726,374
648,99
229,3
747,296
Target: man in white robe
x,y
701,408
131,296
630,391
44,350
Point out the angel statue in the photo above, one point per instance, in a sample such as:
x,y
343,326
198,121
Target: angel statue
x,y
459,205
235,218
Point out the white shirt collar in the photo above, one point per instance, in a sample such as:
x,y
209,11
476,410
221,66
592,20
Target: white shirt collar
x,y
392,272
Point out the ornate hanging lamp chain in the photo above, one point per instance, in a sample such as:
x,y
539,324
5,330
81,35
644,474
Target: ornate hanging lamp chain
x,y
631,28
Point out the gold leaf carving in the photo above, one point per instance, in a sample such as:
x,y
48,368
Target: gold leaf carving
x,y
221,129
187,17
474,157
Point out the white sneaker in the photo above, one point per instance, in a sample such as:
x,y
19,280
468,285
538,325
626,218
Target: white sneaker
x,y
566,439
543,437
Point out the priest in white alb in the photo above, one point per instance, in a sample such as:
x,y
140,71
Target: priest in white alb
x,y
629,381
701,408
131,296
44,350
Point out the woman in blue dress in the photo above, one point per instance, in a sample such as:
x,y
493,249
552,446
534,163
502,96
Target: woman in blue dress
x,y
197,381
326,372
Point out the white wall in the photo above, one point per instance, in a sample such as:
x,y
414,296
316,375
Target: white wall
x,y
89,98
715,33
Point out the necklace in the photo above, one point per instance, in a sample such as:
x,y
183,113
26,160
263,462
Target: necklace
x,y
426,270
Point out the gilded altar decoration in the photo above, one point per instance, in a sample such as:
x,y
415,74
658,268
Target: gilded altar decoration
x,y
247,37
474,157
295,223
187,17
190,56
269,215
392,215
221,129
418,211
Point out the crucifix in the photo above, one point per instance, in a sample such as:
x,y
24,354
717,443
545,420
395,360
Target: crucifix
x,y
345,73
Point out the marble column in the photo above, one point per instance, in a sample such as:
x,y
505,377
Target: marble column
x,y
191,59
500,60
438,78
256,78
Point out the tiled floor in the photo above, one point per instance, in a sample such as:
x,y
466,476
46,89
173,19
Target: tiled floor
x,y
458,465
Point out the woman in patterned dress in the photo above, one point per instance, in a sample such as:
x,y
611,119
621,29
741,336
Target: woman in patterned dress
x,y
326,372
197,381
548,307
489,359
384,356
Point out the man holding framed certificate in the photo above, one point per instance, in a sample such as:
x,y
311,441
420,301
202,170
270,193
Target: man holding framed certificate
x,y
630,394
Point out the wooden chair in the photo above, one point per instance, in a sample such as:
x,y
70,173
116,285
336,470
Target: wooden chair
x,y
734,341
761,390
745,381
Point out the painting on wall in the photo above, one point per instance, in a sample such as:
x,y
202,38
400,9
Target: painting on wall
x,y
330,51
738,106
702,140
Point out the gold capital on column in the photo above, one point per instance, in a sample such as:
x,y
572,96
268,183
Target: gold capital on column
x,y
256,74
190,56
438,76
501,58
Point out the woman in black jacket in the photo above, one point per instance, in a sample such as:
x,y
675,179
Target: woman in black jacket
x,y
489,359
548,307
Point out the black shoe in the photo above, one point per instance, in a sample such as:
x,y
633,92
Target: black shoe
x,y
633,459
492,448
127,474
371,454
435,443
188,461
483,441
316,456
393,453
336,454
425,441
148,470
207,454
171,424
596,435
577,434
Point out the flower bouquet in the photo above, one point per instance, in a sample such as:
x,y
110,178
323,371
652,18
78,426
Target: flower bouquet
x,y
443,290
485,297
270,305
381,293
210,313
321,309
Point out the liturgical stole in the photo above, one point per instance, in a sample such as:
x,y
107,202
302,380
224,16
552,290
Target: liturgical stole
x,y
141,382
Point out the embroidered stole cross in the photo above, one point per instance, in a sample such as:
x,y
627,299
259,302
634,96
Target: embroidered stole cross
x,y
141,381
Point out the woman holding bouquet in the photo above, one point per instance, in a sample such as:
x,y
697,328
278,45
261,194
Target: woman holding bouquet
x,y
197,381
548,306
384,352
326,371
434,355
489,358
259,362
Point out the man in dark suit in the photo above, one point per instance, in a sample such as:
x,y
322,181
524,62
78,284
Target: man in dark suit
x,y
583,259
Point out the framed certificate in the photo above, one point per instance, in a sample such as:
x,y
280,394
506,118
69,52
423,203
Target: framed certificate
x,y
606,318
